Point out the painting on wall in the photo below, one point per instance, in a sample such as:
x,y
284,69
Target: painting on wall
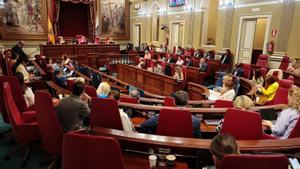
x,y
114,16
25,19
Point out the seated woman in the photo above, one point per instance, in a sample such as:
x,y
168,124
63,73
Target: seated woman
x,y
268,92
288,118
257,78
28,94
20,66
178,73
227,91
292,66
103,90
147,55
180,61
157,68
141,64
222,145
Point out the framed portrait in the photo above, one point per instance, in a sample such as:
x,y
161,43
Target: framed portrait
x,y
114,19
25,19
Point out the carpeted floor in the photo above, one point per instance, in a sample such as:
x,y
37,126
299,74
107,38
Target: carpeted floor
x,y
15,162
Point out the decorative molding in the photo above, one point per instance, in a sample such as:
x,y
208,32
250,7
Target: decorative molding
x,y
256,4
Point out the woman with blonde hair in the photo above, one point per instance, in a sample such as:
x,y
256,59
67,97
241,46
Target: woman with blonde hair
x,y
242,102
178,73
288,118
103,90
227,91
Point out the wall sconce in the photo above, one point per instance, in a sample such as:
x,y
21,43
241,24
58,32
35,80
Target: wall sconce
x,y
224,4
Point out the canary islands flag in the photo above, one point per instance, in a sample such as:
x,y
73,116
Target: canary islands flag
x,y
51,36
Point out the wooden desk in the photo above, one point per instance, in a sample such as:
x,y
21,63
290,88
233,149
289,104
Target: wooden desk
x,y
193,143
59,89
197,92
148,81
79,50
86,78
135,161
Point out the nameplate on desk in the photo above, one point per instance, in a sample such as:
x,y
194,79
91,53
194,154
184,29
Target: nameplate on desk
x,y
164,150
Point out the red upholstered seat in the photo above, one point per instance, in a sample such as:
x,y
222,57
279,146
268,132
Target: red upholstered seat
x,y
24,133
129,100
223,104
254,162
175,122
17,92
263,71
105,113
70,84
169,101
262,61
243,125
281,96
91,152
247,70
296,131
90,90
284,63
49,126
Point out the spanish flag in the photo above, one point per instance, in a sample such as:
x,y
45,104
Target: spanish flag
x,y
51,36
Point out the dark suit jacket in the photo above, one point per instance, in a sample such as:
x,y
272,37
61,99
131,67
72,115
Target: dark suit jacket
x,y
17,49
203,67
70,112
238,72
225,59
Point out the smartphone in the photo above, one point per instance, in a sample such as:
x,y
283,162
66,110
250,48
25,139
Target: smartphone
x,y
294,163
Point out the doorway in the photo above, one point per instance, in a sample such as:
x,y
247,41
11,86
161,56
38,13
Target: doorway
x,y
177,34
137,35
253,37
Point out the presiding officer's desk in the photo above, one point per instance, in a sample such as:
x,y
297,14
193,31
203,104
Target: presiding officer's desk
x,y
148,81
79,50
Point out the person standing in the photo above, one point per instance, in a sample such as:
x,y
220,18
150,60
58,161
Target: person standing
x,y
18,48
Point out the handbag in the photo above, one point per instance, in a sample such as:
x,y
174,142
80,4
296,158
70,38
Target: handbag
x,y
262,99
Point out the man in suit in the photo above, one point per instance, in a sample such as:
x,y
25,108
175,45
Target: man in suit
x,y
18,48
202,65
238,71
72,109
225,58
181,101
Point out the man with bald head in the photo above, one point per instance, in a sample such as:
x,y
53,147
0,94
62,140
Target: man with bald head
x,y
18,48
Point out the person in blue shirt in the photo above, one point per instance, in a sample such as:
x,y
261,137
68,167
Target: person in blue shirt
x,y
103,90
60,79
181,101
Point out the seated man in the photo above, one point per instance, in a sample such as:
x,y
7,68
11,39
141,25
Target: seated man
x,y
181,101
72,109
203,65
